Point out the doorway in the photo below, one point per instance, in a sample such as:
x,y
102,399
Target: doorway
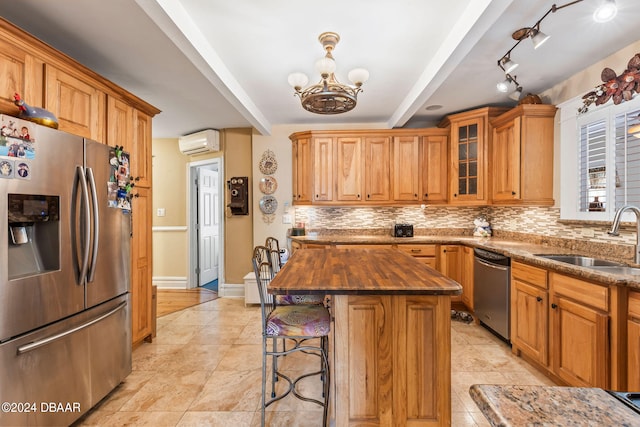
x,y
206,224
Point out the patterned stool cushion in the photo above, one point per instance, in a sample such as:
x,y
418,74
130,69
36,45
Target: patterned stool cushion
x,y
298,320
299,299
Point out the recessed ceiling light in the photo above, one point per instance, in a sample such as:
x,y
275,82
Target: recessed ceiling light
x,y
433,107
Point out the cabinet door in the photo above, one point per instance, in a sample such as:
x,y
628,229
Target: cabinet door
x,y
633,355
78,105
506,161
323,169
377,169
466,276
141,257
580,343
434,168
529,320
406,177
363,332
140,149
451,265
422,358
302,170
467,161
349,173
119,123
20,73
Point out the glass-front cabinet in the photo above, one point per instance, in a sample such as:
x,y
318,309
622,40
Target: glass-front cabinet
x,y
468,176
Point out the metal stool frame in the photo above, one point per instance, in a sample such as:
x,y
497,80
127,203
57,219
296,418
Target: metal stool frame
x,y
264,272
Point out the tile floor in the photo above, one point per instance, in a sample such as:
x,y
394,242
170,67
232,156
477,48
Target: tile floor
x,y
204,369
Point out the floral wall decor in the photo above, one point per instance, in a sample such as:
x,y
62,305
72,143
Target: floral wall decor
x,y
617,87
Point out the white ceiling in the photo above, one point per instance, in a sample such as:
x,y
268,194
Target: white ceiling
x,y
221,64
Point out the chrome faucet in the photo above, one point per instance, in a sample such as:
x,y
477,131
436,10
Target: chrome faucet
x,y
615,225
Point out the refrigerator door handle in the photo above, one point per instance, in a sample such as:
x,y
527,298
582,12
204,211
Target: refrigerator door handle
x,y
86,232
96,225
36,344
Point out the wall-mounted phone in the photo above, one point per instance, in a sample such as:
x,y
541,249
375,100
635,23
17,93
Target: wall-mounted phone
x,y
239,195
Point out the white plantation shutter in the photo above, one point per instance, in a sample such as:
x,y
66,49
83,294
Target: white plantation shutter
x,y
592,168
627,160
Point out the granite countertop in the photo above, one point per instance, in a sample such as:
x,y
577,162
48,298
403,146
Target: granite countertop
x,y
516,250
510,405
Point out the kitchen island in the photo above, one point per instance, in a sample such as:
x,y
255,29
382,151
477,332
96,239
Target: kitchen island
x,y
391,346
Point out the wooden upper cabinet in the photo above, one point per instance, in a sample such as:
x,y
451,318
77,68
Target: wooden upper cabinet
x,y
469,145
406,177
322,169
349,169
141,149
76,102
522,155
120,123
377,169
21,73
302,170
434,168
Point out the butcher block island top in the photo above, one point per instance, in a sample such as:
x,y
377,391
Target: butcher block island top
x,y
360,272
390,343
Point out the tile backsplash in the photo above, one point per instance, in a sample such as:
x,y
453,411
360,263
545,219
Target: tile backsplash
x,y
540,224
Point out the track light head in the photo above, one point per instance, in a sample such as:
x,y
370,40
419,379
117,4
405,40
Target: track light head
x,y
503,86
507,64
606,11
538,38
516,94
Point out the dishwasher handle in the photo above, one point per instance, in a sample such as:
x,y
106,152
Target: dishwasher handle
x,y
491,265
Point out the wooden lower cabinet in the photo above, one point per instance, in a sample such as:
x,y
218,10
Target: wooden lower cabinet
x,y
141,263
450,264
561,323
392,363
633,343
529,312
466,276
426,254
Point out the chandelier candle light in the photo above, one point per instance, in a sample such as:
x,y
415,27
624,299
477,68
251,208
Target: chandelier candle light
x,y
328,96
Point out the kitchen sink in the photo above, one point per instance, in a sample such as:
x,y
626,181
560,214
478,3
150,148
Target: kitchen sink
x,y
583,261
618,270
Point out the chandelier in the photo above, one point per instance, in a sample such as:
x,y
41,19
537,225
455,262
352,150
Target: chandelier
x,y
328,96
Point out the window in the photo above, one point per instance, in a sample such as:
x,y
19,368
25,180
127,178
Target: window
x,y
605,172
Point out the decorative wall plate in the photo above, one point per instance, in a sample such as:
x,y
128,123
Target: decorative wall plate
x,y
268,164
268,204
268,185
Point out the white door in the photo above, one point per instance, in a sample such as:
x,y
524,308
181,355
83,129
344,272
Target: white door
x,y
209,242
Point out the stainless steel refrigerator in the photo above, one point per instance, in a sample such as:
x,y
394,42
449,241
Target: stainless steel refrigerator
x,y
65,327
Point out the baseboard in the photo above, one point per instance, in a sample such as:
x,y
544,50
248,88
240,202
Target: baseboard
x,y
169,282
231,290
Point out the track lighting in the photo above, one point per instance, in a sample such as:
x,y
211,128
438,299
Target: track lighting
x,y
605,12
503,86
516,94
538,38
507,64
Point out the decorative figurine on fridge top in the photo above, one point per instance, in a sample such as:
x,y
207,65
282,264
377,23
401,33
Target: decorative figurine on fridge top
x,y
35,114
482,227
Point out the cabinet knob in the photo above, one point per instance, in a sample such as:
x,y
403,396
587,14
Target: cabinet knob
x,y
137,178
513,193
538,299
455,194
317,197
136,195
426,195
368,196
554,305
358,196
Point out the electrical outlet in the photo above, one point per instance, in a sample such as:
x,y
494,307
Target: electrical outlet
x,y
160,212
588,232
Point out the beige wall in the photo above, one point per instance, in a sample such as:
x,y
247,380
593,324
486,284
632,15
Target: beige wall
x,y
171,234
238,242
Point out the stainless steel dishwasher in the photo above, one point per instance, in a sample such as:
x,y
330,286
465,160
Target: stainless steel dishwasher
x,y
491,293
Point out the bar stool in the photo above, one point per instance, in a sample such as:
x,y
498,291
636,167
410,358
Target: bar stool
x,y
300,323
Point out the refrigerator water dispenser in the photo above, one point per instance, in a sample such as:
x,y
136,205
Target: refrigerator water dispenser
x,y
34,236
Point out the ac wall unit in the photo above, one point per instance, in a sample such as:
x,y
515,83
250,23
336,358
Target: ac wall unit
x,y
200,142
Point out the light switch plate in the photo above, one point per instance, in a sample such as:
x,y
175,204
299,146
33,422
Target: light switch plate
x,y
286,219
